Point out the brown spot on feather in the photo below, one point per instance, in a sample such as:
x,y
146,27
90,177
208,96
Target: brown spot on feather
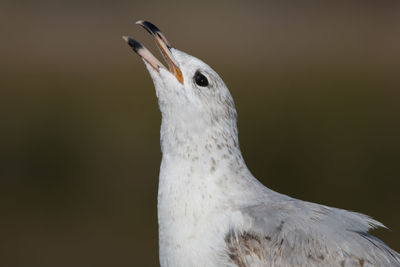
x,y
244,245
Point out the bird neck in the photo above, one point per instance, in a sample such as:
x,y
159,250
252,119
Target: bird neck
x,y
199,139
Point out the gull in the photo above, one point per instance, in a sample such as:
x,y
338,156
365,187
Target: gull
x,y
211,210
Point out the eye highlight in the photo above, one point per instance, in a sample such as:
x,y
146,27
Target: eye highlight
x,y
200,79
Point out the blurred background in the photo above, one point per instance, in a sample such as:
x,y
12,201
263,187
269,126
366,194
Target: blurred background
x,y
316,88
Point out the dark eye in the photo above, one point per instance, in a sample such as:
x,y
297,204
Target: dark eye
x,y
200,79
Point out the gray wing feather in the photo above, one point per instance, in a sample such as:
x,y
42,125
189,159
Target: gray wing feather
x,y
298,233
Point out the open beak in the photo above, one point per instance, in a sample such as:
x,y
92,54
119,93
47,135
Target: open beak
x,y
163,45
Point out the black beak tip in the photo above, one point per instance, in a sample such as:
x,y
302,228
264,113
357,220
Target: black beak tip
x,y
136,46
150,27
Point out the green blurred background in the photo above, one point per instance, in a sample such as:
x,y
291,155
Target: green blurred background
x,y
316,88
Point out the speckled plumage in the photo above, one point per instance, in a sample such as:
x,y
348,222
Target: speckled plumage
x,y
212,211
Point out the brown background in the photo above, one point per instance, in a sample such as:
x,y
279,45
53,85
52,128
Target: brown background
x,y
316,87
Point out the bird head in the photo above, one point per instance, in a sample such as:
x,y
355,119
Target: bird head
x,y
188,89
